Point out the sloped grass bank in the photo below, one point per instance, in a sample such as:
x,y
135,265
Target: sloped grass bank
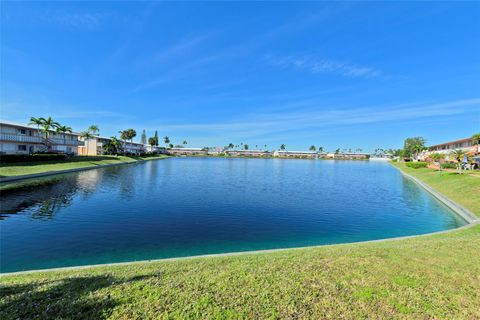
x,y
429,277
26,168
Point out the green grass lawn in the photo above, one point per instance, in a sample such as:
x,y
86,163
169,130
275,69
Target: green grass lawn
x,y
17,169
463,189
430,277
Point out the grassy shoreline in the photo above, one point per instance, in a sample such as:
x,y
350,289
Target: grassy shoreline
x,y
433,276
27,168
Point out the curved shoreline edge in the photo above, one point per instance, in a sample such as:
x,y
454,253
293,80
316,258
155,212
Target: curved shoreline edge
x,y
464,213
57,172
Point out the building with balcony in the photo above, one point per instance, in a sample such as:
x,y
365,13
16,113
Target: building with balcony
x,y
187,151
24,139
295,154
249,153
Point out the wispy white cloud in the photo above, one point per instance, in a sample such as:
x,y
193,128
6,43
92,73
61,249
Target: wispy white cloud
x,y
76,20
318,65
258,124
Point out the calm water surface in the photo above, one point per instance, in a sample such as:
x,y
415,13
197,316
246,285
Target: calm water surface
x,y
191,206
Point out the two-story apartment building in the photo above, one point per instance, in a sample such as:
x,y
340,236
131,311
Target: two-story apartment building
x,y
24,139
95,146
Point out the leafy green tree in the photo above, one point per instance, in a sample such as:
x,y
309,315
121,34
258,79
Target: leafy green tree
x,y
283,146
94,129
184,142
166,140
438,157
152,141
320,149
48,127
36,121
170,145
413,146
312,148
457,155
113,146
143,139
337,151
476,139
245,146
64,130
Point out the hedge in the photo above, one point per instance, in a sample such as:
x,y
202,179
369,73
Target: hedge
x,y
416,165
15,158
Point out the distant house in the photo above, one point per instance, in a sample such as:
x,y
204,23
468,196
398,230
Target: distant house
x,y
187,151
295,154
25,139
351,156
249,153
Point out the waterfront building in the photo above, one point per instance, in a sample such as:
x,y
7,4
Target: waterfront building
x,y
187,151
295,154
25,139
249,153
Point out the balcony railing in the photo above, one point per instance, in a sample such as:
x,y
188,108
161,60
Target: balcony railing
x,y
36,139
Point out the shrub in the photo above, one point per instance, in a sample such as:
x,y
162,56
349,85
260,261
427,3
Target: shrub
x,y
416,165
16,158
449,165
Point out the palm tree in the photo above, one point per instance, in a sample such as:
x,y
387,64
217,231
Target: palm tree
x,y
87,135
48,125
36,121
438,157
265,145
458,156
245,146
64,130
320,149
94,129
184,142
230,146
282,146
312,148
166,140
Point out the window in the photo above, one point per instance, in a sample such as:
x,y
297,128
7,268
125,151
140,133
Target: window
x,y
22,131
22,147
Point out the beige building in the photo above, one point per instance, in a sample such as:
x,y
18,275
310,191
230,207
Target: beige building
x,y
24,139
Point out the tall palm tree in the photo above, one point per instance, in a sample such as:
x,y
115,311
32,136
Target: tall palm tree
x,y
184,142
320,149
312,148
283,146
36,121
230,146
48,126
87,135
64,130
94,129
166,140
458,156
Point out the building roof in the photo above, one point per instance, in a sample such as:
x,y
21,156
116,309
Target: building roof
x,y
26,126
308,152
451,142
187,149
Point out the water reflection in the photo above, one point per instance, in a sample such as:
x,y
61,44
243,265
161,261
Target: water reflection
x,y
43,198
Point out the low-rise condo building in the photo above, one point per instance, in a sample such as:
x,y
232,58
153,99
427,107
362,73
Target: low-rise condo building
x,y
249,153
96,146
295,154
24,139
187,151
446,147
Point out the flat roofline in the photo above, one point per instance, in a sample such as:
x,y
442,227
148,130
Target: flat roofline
x,y
450,142
26,126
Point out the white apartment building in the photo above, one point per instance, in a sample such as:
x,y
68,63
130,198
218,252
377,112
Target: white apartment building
x,y
24,139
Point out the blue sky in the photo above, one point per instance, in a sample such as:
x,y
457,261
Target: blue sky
x,y
332,74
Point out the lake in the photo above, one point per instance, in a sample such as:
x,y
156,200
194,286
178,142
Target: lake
x,y
191,206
